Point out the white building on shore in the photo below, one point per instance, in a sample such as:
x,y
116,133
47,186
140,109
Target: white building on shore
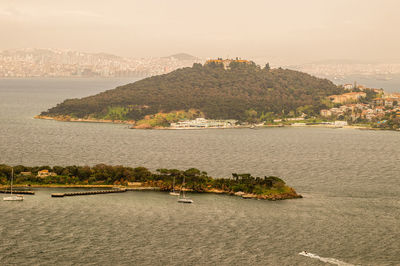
x,y
204,123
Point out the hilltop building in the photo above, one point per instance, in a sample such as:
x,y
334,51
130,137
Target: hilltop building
x,y
348,86
226,62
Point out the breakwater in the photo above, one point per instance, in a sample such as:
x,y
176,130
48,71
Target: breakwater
x,y
142,188
82,193
27,192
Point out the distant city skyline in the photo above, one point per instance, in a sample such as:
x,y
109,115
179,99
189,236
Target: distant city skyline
x,y
288,31
32,62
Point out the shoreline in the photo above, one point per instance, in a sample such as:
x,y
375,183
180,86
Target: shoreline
x,y
85,120
131,122
273,197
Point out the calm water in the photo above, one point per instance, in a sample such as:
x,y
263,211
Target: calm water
x,y
392,84
350,180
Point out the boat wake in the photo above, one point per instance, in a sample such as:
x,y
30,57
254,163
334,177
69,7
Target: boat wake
x,y
327,260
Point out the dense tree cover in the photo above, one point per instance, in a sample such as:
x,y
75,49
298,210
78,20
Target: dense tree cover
x,y
389,121
217,92
195,179
165,119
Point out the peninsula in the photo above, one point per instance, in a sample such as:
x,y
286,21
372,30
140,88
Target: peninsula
x,y
140,178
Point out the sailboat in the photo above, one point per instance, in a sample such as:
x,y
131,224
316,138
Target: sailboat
x,y
173,192
13,197
182,198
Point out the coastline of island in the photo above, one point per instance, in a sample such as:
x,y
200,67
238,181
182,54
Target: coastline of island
x,y
131,123
86,120
282,196
141,179
248,96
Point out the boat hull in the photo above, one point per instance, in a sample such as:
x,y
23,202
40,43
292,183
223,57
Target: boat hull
x,y
185,201
14,198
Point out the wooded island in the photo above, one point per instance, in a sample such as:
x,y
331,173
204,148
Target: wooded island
x,y
267,187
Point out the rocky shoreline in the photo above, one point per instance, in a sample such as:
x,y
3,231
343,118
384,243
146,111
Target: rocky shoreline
x,y
87,120
292,195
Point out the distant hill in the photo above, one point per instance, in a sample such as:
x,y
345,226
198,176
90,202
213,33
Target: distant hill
x,y
183,57
32,62
219,93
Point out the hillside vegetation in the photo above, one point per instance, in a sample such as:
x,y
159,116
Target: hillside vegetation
x,y
241,91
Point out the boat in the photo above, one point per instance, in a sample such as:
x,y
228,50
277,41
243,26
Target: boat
x,y
173,192
182,197
13,197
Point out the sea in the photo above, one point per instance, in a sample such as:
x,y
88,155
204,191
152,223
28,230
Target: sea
x,y
350,180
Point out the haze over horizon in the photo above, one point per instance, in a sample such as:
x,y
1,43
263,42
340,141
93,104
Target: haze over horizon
x,y
291,32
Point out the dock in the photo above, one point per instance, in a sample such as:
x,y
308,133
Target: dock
x,y
82,193
142,188
27,192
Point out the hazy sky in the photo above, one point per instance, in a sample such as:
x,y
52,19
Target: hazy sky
x,y
294,30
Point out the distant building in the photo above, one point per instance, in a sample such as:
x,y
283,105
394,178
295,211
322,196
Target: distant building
x,y
45,173
379,91
325,112
361,87
379,109
340,123
348,86
389,102
204,123
392,95
378,101
295,119
26,173
347,97
226,62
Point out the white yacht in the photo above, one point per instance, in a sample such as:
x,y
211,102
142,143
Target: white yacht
x,y
13,197
182,197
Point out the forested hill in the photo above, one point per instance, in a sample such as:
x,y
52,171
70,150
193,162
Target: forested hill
x,y
217,92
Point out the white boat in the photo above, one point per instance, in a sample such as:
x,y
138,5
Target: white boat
x,y
173,192
185,200
13,197
182,196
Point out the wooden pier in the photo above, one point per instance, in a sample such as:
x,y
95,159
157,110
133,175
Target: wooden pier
x,y
82,193
142,188
27,192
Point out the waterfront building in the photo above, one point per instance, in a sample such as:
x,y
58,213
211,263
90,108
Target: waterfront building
x,y
340,123
204,123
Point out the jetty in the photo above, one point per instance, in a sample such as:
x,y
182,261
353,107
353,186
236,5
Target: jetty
x,y
82,193
27,192
142,188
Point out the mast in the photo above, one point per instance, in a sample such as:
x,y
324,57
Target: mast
x,y
173,185
12,177
183,184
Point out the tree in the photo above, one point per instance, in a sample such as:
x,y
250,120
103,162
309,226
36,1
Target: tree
x,y
251,116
